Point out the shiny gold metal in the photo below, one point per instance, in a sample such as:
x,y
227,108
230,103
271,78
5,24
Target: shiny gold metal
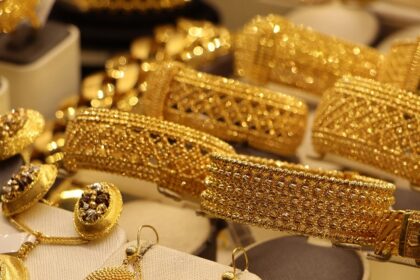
x,y
173,156
97,211
12,268
27,187
225,108
15,12
273,49
129,5
233,275
18,129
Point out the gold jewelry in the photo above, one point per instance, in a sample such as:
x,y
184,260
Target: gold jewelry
x,y
18,129
341,206
401,66
173,156
225,108
232,275
14,12
129,5
134,256
274,49
27,187
370,122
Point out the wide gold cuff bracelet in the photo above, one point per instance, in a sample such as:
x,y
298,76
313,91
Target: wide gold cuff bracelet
x,y
173,156
343,207
226,108
370,122
18,129
273,49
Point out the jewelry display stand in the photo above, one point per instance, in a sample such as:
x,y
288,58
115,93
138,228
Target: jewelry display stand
x,y
407,33
57,262
4,95
42,67
167,264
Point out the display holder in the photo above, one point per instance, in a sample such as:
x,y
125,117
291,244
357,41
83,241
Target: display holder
x,y
168,264
41,65
4,96
54,262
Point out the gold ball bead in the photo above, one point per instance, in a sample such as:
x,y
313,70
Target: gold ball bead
x,y
130,251
228,276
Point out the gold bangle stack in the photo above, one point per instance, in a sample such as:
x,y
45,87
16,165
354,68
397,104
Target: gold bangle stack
x,y
129,5
225,108
173,156
370,122
274,49
343,207
14,12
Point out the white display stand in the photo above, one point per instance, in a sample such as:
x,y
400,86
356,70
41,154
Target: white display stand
x,y
411,32
43,84
4,95
162,263
349,23
56,262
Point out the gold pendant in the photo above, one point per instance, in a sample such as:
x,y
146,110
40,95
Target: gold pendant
x,y
12,268
112,273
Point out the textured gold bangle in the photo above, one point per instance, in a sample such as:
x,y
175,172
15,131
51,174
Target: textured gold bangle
x,y
401,66
225,108
343,207
370,122
129,5
173,156
274,49
18,129
14,12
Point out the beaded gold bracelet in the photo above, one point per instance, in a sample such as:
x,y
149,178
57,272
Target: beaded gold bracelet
x,y
173,156
343,207
273,49
370,122
225,108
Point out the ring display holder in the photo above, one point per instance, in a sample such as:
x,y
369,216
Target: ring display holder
x,y
4,95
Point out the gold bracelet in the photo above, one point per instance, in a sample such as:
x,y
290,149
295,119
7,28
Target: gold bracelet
x,y
173,156
225,108
343,207
129,5
370,122
14,12
274,49
18,129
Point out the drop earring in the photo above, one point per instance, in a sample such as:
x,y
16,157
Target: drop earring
x,y
233,275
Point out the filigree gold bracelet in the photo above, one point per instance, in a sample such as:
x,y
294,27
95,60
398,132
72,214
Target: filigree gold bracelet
x,y
343,207
173,156
226,108
370,122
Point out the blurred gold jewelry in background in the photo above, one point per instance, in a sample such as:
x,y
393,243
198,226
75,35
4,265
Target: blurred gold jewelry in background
x,y
15,12
129,5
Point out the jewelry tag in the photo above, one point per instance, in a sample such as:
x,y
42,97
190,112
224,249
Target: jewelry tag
x,y
11,243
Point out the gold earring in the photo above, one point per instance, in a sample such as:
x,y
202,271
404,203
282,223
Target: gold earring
x,y
97,211
232,275
27,187
134,255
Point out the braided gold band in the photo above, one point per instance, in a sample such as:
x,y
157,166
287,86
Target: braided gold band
x,y
18,129
340,206
129,5
372,123
173,156
226,108
274,49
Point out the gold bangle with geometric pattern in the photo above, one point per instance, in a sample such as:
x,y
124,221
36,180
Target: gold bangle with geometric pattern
x,y
372,123
273,49
18,129
173,156
343,207
225,108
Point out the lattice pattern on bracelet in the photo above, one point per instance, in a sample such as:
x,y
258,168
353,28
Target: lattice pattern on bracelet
x,y
226,108
401,66
274,49
173,156
373,123
342,207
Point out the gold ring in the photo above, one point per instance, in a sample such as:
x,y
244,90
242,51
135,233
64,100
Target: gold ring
x,y
173,156
225,108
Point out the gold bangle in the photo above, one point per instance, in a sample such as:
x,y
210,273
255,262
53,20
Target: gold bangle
x,y
370,122
343,207
129,5
173,156
18,129
14,12
225,108
274,49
